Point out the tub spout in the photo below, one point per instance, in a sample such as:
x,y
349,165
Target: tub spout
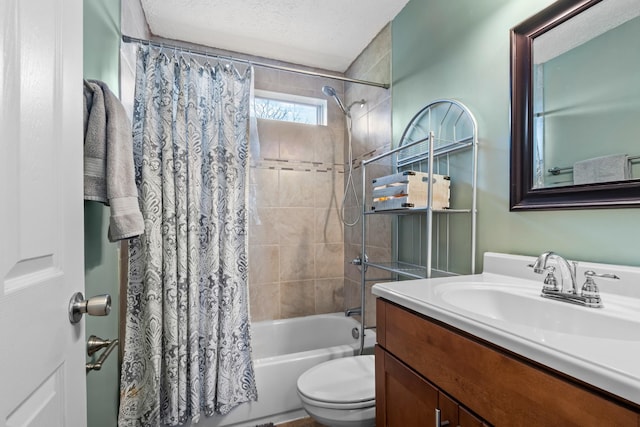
x,y
353,311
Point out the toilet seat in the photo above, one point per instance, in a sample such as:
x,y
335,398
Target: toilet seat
x,y
345,383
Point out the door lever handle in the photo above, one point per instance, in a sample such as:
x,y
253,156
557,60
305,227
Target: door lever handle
x,y
94,344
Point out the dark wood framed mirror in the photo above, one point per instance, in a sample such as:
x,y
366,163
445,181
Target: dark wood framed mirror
x,y
529,189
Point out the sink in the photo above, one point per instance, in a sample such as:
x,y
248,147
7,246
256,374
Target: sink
x,y
499,303
503,306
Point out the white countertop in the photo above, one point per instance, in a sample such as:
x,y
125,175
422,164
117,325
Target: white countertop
x,y
607,359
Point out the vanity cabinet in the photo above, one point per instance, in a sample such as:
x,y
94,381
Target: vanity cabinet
x,y
423,365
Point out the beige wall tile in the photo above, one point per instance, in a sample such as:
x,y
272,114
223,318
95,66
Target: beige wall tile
x,y
264,302
334,113
296,188
296,226
264,264
328,189
297,262
263,227
267,187
351,294
352,251
379,230
353,234
266,79
327,146
269,136
297,298
380,125
297,141
360,133
329,260
327,226
296,82
329,294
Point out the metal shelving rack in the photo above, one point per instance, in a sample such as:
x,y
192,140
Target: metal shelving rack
x,y
441,129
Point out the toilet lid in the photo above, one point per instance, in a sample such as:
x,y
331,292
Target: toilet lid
x,y
345,380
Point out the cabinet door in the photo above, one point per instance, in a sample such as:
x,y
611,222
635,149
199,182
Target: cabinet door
x,y
403,398
448,411
466,419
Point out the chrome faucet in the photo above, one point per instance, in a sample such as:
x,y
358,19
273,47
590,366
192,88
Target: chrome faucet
x,y
353,311
587,296
540,267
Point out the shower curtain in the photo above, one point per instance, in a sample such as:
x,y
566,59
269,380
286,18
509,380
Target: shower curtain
x,y
187,341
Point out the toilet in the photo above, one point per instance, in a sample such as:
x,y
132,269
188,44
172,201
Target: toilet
x,y
340,392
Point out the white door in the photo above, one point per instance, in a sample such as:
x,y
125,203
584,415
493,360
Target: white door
x,y
42,355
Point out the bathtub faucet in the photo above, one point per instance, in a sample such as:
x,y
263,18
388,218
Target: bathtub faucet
x,y
353,311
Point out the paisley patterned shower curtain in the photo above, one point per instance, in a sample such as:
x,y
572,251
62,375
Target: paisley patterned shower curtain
x,y
187,342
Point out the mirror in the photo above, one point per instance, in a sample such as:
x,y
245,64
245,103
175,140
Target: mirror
x,y
575,106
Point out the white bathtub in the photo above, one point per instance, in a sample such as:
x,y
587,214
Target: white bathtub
x,y
282,351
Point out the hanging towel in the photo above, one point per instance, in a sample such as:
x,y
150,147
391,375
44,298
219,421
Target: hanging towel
x,y
108,160
601,169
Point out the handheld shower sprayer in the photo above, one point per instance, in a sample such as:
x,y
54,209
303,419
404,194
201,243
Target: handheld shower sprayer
x,y
329,91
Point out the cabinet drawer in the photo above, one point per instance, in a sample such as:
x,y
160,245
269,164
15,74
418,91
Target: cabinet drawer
x,y
504,390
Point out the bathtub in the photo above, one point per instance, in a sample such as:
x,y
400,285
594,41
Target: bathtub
x,y
282,351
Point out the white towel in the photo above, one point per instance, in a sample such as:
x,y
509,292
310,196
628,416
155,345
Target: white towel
x,y
109,176
601,169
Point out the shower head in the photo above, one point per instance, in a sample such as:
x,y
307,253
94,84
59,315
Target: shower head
x,y
329,91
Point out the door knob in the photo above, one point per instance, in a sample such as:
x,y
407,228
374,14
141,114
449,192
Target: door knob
x,y
99,305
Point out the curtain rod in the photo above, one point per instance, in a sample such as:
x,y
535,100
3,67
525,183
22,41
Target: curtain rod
x,y
128,39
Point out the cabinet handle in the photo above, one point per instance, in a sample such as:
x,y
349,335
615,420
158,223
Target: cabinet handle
x,y
439,422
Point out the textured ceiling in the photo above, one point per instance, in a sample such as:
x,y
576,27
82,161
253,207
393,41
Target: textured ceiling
x,y
327,34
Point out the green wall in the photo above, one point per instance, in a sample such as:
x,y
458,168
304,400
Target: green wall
x,y
460,49
101,62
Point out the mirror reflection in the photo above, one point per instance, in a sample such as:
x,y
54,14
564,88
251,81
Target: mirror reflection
x,y
586,98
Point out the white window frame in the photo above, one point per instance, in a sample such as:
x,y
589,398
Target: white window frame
x,y
318,103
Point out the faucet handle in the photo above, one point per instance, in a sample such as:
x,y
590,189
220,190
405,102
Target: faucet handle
x,y
590,290
550,281
591,273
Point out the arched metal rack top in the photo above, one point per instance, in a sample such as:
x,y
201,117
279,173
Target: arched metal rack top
x,y
454,128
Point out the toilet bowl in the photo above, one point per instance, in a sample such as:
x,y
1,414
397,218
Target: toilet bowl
x,y
340,392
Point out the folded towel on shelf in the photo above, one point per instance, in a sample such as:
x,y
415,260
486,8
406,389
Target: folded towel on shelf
x,y
108,160
601,169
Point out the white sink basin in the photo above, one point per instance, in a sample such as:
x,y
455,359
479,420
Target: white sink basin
x,y
524,305
599,346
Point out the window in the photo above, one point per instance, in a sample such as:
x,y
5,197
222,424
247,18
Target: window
x,y
290,108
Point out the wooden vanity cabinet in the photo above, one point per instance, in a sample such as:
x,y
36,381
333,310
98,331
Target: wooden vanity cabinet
x,y
423,365
404,398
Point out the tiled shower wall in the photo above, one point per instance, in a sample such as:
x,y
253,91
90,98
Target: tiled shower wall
x,y
371,135
296,246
